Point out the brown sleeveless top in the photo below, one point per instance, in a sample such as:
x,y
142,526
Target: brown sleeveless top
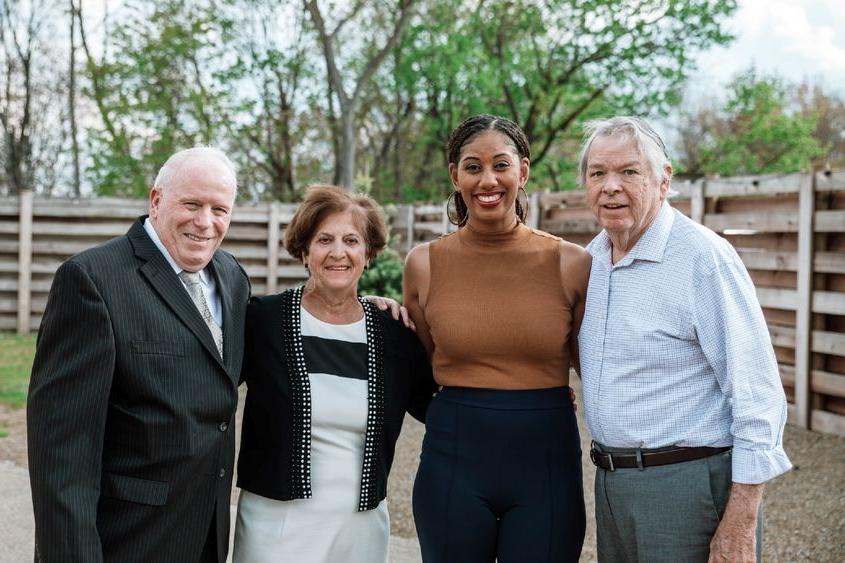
x,y
499,311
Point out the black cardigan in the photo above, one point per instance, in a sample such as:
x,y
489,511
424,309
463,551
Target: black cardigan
x,y
275,452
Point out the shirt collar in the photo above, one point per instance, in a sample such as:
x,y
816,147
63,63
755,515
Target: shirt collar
x,y
651,245
148,226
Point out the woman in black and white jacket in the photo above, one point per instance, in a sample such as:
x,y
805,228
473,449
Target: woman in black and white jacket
x,y
329,379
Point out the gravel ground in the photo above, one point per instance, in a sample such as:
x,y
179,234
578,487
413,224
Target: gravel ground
x,y
804,510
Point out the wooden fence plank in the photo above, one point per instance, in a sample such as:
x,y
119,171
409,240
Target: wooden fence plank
x,y
829,343
758,221
777,298
85,229
823,421
754,185
830,262
574,225
830,181
782,336
829,302
828,383
830,221
769,260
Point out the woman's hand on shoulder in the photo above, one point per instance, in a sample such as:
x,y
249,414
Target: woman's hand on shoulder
x,y
398,311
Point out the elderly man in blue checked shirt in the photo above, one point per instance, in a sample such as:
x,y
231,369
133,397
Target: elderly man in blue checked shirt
x,y
681,387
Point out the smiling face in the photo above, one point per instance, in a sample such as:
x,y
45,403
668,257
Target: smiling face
x,y
488,174
191,215
622,191
337,254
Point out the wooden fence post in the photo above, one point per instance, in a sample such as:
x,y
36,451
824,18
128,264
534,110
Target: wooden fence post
x,y
804,310
24,261
410,218
697,197
534,210
272,248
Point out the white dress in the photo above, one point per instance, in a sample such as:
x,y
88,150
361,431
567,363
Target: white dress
x,y
327,528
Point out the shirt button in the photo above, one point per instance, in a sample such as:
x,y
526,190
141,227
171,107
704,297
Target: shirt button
x,y
222,472
223,426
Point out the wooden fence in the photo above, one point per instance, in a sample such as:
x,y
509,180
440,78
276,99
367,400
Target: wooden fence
x,y
788,229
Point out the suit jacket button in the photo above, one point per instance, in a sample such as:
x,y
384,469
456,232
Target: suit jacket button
x,y
222,472
223,426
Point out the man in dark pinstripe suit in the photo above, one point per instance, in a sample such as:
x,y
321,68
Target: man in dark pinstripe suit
x,y
131,402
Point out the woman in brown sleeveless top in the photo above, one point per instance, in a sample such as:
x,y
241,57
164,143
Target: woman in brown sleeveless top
x,y
498,306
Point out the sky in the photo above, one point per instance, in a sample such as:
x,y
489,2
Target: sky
x,y
797,39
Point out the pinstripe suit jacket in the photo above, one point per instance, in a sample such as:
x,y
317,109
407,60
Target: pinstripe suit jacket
x,y
131,409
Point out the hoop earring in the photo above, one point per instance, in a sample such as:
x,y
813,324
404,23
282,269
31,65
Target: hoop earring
x,y
522,208
456,209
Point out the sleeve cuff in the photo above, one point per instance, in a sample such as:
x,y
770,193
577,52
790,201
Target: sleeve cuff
x,y
753,467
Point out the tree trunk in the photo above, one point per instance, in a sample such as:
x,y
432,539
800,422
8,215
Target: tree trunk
x,y
346,170
76,186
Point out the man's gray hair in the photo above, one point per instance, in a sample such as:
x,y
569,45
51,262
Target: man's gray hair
x,y
636,129
171,167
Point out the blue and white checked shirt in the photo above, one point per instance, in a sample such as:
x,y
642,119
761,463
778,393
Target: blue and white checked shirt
x,y
675,350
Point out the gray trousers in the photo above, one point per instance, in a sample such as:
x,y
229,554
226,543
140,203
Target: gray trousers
x,y
663,514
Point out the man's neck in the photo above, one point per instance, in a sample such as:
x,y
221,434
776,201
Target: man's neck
x,y
621,244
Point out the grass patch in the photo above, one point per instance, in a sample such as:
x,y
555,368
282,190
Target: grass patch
x,y
16,353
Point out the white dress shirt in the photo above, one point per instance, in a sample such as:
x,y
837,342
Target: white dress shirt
x,y
675,350
209,286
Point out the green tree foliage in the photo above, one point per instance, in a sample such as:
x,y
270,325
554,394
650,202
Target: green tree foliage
x,y
547,65
754,132
287,86
271,84
828,110
153,90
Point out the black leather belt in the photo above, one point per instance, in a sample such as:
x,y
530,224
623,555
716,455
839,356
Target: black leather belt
x,y
640,459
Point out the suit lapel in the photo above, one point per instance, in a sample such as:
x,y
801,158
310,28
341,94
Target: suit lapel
x,y
166,283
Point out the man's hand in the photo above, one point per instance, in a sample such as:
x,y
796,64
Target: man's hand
x,y
396,310
735,539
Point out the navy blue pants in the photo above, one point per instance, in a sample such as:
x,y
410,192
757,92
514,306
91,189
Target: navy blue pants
x,y
500,478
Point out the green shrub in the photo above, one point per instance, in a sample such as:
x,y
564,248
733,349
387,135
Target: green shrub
x,y
384,277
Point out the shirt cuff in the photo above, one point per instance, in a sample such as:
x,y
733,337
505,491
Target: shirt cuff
x,y
753,467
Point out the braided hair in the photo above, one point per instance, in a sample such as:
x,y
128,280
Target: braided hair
x,y
468,130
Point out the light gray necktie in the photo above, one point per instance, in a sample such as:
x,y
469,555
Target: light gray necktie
x,y
193,283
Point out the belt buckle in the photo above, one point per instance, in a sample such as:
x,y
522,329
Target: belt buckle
x,y
594,457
